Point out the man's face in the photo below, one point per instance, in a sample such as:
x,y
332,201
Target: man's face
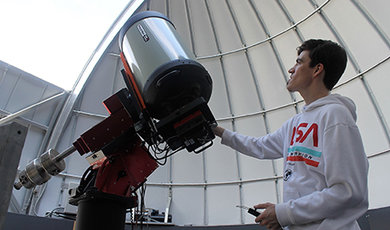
x,y
301,73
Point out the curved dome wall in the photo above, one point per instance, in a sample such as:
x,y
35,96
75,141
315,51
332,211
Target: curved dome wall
x,y
247,47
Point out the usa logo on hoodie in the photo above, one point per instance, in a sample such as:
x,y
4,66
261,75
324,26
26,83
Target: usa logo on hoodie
x,y
304,153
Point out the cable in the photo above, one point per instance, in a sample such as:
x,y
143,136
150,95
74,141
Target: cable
x,y
162,160
86,180
34,206
64,215
49,214
157,151
61,214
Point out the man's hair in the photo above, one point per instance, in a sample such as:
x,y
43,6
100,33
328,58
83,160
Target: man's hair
x,y
328,53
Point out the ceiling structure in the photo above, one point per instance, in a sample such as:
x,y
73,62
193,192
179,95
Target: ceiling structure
x,y
247,46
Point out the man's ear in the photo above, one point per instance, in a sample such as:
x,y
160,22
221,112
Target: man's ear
x,y
319,69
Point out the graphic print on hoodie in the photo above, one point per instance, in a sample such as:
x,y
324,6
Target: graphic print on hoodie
x,y
301,153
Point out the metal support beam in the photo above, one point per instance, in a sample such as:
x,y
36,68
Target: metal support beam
x,y
356,66
24,121
282,68
166,216
14,205
292,27
221,60
259,96
372,21
29,108
11,145
291,20
193,48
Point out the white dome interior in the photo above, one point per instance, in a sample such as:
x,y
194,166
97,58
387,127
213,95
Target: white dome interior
x,y
247,46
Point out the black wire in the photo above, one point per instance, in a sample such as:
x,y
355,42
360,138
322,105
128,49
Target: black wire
x,y
170,154
156,150
64,215
165,151
86,171
165,157
52,211
88,177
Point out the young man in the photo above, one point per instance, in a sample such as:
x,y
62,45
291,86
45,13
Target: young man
x,y
325,166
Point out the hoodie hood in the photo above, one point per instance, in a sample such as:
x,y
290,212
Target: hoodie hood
x,y
333,99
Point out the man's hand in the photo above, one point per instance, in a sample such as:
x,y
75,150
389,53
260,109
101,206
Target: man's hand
x,y
268,216
218,131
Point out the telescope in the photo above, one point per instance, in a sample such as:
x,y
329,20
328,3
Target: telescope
x,y
162,110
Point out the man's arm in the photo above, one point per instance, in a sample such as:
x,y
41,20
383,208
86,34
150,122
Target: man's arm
x,y
266,147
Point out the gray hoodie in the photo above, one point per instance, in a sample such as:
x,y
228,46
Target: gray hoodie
x,y
325,166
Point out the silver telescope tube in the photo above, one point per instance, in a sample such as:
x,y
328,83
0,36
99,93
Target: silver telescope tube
x,y
41,169
165,73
